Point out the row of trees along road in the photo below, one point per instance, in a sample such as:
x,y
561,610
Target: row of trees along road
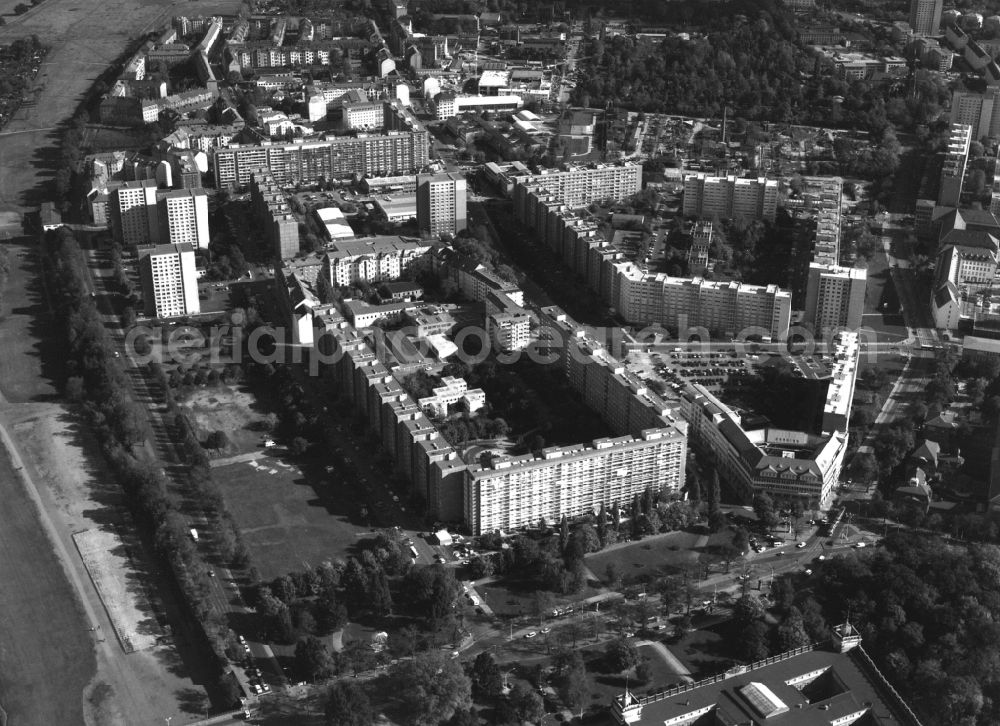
x,y
95,380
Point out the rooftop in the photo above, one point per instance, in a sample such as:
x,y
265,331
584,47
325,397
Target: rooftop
x,y
805,687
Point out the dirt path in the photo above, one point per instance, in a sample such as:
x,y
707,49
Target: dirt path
x,y
138,688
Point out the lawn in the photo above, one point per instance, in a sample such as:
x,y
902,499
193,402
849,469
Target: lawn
x,y
655,557
706,652
288,518
509,598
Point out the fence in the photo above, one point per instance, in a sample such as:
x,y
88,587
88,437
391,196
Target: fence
x,y
686,687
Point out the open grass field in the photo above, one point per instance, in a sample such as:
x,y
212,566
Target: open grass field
x,y
46,658
654,556
508,599
706,652
289,519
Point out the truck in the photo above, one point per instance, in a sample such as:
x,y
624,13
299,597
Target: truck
x,y
194,534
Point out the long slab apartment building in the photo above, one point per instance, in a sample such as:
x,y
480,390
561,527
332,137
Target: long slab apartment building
x,y
401,148
547,202
649,448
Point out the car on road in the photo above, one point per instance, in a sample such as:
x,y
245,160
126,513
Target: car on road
x,y
532,634
546,630
800,545
808,571
861,545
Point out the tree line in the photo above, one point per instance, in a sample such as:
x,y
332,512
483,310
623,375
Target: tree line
x,y
94,379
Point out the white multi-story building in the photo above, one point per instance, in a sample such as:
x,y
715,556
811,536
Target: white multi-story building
x,y
441,203
835,296
449,104
730,197
513,492
360,112
169,280
953,169
730,308
451,392
134,213
583,184
372,259
184,217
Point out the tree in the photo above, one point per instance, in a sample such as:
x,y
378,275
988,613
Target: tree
x,y
348,705
748,609
313,659
791,633
741,540
329,612
487,680
621,655
763,507
573,685
525,703
379,597
432,687
717,521
217,440
714,491
752,644
430,591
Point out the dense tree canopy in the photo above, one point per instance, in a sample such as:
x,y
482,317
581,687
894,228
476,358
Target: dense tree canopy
x,y
927,612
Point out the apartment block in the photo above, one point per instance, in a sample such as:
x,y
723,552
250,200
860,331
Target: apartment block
x,y
953,167
726,308
441,203
134,214
925,16
980,111
183,216
730,197
507,322
835,296
169,280
371,259
273,213
360,112
401,148
581,185
513,492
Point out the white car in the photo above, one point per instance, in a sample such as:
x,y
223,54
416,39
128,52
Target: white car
x,y
800,545
532,634
861,545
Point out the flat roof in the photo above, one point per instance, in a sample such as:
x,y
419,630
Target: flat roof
x,y
813,688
